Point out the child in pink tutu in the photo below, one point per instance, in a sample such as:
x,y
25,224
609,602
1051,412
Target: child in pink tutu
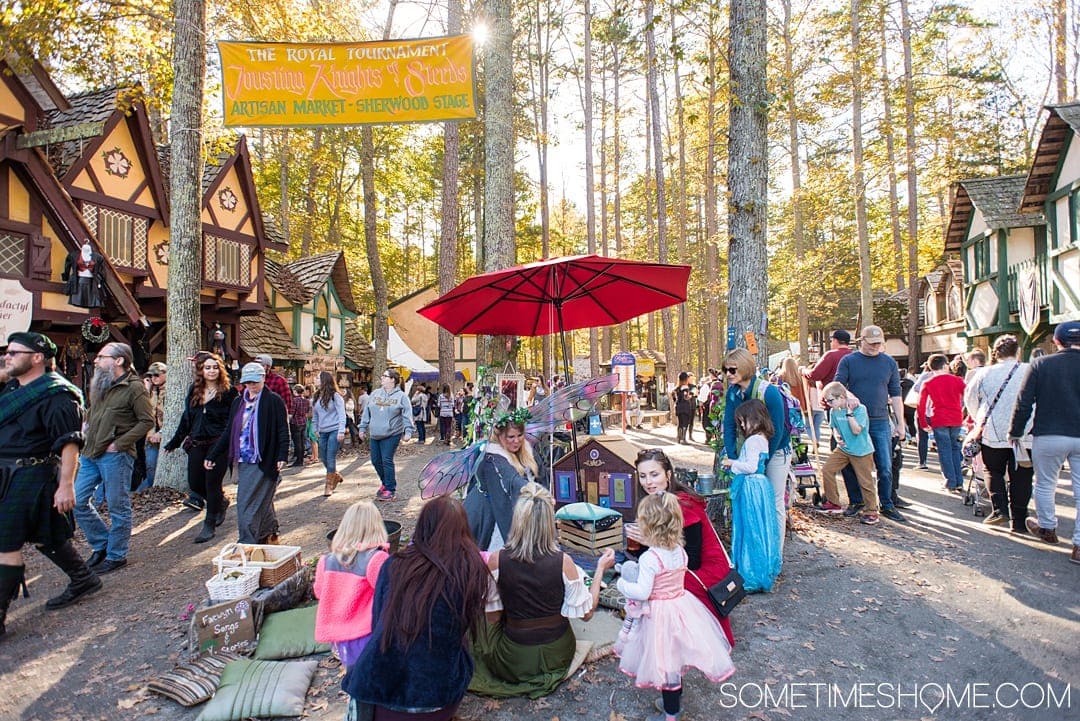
x,y
678,632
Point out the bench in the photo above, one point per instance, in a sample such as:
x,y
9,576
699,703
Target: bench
x,y
649,419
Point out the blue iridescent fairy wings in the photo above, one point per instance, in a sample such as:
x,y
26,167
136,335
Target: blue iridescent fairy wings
x,y
451,470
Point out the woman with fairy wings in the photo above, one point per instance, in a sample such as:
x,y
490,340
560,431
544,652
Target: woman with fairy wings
x,y
508,464
496,469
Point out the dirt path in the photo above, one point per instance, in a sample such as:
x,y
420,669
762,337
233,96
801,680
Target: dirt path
x,y
905,610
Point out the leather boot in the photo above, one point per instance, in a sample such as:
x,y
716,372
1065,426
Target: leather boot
x,y
11,579
220,518
83,580
333,480
206,533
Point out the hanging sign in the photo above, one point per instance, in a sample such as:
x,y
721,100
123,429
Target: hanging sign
x,y
318,84
1027,292
16,307
623,365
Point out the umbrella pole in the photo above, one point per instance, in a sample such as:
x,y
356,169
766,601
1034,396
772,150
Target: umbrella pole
x,y
573,423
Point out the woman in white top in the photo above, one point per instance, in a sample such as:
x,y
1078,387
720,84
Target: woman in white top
x,y
1007,374
528,643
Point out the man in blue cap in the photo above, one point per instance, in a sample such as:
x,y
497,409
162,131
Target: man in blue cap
x,y
40,438
1052,385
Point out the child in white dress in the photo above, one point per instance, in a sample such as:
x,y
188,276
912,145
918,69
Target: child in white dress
x,y
678,632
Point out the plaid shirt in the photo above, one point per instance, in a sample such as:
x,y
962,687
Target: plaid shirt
x,y
299,410
279,385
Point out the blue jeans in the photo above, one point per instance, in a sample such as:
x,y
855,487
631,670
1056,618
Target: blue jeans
x,y
152,452
924,446
421,430
948,452
382,460
815,419
113,471
881,436
328,448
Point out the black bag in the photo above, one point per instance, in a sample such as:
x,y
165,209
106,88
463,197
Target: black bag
x,y
726,593
730,590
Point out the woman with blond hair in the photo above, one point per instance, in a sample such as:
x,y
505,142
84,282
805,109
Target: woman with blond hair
x,y
528,644
508,464
740,370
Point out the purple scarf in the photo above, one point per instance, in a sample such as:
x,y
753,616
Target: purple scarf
x,y
238,428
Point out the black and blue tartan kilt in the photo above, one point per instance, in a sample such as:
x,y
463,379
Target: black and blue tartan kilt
x,y
27,514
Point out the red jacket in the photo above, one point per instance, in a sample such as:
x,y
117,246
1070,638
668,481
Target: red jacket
x,y
945,395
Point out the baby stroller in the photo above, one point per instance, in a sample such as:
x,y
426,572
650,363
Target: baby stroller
x,y
976,493
802,476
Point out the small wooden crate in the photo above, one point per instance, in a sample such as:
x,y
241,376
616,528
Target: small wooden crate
x,y
582,536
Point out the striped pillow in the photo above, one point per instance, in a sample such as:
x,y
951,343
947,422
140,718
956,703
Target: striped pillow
x,y
192,683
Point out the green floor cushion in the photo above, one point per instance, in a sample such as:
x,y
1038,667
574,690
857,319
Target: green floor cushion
x,y
192,683
262,689
289,634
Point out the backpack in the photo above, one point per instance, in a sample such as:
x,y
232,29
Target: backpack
x,y
793,417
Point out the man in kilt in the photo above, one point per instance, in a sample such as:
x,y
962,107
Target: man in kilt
x,y
40,437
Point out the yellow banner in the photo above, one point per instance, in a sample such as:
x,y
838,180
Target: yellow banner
x,y
305,84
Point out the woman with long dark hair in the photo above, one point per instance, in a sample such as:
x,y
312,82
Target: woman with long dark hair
x,y
707,562
206,415
328,420
429,597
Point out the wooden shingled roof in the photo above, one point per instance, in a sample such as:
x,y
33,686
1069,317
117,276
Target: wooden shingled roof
x,y
358,350
998,199
81,123
263,333
1063,120
300,280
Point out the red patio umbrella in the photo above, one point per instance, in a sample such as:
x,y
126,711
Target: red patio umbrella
x,y
557,295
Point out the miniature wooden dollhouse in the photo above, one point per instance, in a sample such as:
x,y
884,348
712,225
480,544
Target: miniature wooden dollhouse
x,y
609,478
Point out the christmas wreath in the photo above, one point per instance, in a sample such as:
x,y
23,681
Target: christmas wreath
x,y
95,330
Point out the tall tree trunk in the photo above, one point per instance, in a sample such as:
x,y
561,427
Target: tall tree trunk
x,y
684,355
605,343
798,229
658,170
712,221
309,196
185,223
1061,42
590,179
912,187
616,170
650,235
540,79
866,295
499,160
890,154
283,182
448,228
748,171
371,240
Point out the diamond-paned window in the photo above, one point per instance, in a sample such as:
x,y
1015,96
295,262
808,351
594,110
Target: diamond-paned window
x,y
123,236
12,254
227,261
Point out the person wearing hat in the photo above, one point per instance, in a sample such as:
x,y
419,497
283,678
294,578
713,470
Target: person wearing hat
x,y
40,436
274,381
156,374
257,442
824,371
1052,386
873,376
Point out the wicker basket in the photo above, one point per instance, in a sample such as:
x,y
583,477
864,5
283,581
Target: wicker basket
x,y
233,582
281,561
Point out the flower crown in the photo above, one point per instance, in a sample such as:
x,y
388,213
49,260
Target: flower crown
x,y
518,417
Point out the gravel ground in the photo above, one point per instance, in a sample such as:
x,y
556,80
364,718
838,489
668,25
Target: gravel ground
x,y
940,617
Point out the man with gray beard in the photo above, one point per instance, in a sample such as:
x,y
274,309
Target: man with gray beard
x,y
120,414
